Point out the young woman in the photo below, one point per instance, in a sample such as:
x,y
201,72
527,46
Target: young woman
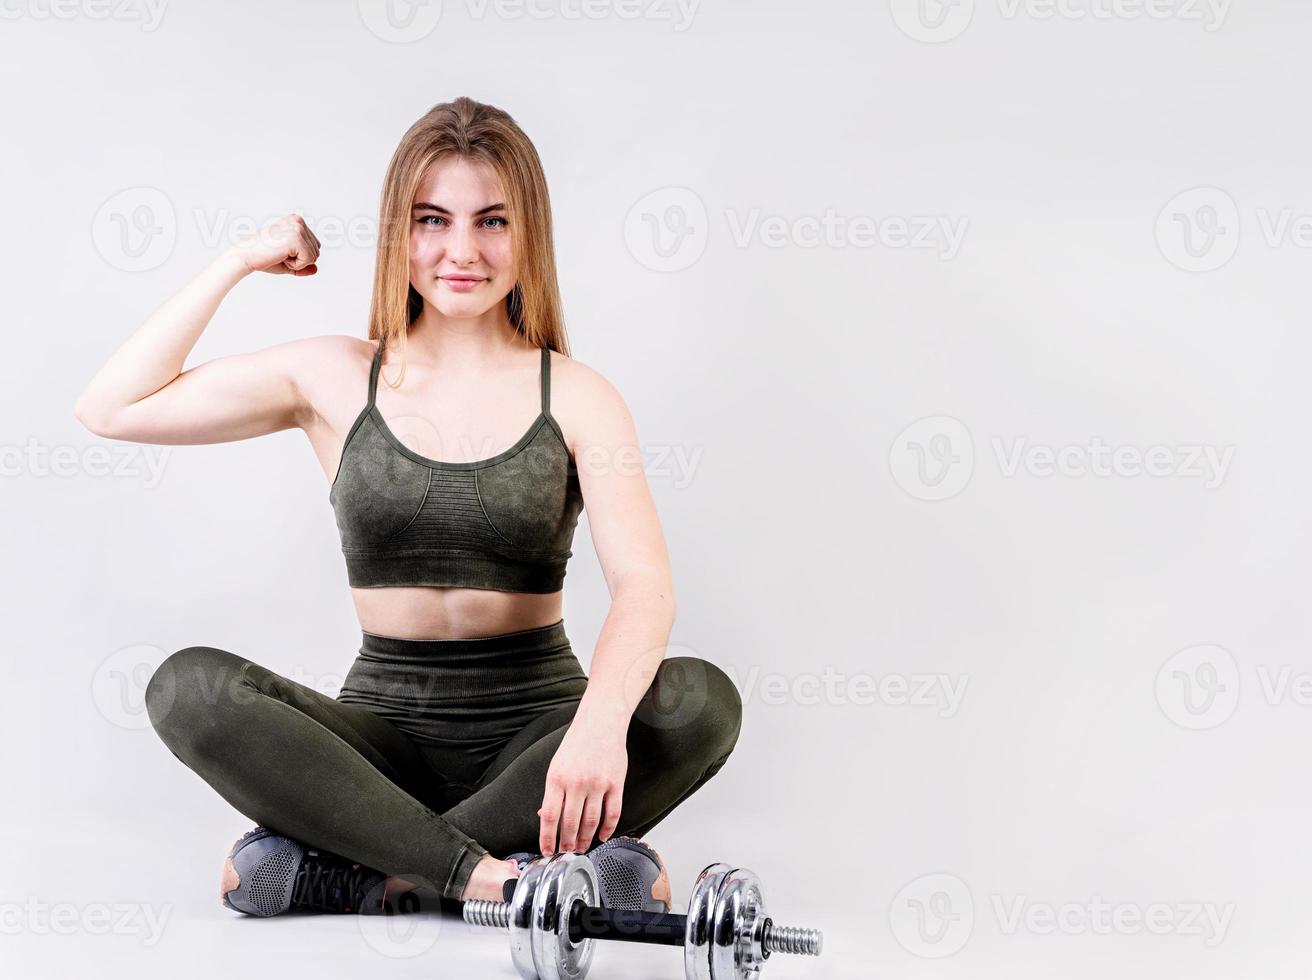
x,y
466,726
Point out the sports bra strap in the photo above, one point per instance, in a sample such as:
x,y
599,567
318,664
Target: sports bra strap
x,y
373,372
545,375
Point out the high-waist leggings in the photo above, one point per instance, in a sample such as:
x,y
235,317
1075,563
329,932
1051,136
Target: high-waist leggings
x,y
435,752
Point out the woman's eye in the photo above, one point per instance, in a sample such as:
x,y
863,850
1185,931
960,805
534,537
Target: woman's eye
x,y
431,219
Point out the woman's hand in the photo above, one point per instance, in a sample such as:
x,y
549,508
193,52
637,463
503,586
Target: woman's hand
x,y
584,784
284,245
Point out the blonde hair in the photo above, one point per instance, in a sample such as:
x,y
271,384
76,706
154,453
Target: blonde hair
x,y
483,134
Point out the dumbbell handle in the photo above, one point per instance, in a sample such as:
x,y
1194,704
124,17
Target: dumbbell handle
x,y
637,926
627,925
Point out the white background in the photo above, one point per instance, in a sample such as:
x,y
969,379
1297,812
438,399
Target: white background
x,y
1092,781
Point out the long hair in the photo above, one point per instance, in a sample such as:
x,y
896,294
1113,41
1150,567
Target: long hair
x,y
479,133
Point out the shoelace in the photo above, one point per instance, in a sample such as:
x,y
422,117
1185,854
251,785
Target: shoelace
x,y
327,884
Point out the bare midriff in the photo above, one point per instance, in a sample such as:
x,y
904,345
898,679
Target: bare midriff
x,y
444,613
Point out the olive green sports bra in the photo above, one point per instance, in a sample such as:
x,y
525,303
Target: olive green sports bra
x,y
503,523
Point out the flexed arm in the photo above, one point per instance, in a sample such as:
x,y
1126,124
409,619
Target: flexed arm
x,y
141,394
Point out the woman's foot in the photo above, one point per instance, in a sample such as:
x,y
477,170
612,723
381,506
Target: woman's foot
x,y
632,875
487,880
267,873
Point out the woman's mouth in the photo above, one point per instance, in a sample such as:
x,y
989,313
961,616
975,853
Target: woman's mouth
x,y
461,284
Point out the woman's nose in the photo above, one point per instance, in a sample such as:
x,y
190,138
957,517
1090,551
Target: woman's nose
x,y
461,246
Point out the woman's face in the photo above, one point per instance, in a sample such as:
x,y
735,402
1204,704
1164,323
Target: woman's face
x,y
460,251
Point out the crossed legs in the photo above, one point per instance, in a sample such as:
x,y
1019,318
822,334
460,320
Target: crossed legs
x,y
339,777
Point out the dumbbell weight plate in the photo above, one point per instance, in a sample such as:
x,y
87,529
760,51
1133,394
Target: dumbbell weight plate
x,y
737,926
701,914
539,918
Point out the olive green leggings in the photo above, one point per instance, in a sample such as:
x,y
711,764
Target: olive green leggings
x,y
435,752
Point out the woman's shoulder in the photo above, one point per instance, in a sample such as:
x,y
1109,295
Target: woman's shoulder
x,y
335,352
330,368
585,401
579,382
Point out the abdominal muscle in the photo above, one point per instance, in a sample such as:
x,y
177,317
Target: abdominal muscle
x,y
443,613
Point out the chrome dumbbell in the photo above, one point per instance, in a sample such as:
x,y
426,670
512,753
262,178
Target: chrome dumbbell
x,y
554,921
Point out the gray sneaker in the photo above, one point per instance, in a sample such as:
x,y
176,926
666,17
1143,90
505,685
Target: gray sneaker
x,y
631,874
268,874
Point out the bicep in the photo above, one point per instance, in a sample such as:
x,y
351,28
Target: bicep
x,y
238,396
